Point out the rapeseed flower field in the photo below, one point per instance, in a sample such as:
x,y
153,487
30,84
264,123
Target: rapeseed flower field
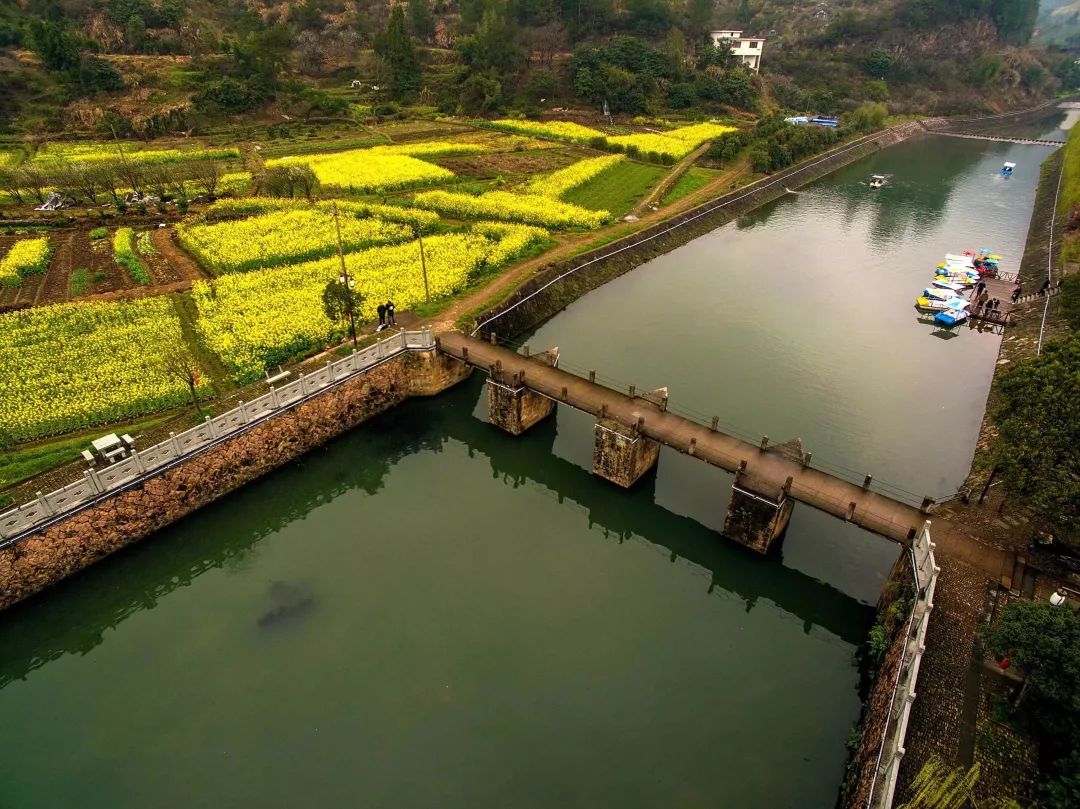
x,y
75,365
282,237
381,168
559,182
26,257
529,209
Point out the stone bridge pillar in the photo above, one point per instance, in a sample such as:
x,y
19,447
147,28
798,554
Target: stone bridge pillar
x,y
511,405
622,454
759,510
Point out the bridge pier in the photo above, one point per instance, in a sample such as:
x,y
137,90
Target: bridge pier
x,y
759,511
622,454
512,406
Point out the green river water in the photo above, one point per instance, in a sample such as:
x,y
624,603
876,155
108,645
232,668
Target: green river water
x,y
432,613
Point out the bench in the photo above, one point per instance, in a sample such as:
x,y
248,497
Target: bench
x,y
280,375
88,457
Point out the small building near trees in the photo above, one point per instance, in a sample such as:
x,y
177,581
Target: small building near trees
x,y
748,49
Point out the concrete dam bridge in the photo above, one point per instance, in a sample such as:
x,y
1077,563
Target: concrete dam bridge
x,y
631,426
1000,138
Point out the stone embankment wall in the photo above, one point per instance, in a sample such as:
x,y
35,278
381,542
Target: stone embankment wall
x,y
564,282
69,546
875,717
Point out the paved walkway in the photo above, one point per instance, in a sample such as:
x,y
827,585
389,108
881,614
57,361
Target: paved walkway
x,y
765,473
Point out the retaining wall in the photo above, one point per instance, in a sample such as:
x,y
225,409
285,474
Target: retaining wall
x,y
80,539
564,282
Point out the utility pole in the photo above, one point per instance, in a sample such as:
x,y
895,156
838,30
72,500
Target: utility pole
x,y
346,281
423,264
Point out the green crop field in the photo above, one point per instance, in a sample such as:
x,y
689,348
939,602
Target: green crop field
x,y
618,189
691,181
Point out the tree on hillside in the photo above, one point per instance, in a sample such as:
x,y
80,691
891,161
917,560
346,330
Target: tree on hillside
x,y
58,49
494,47
744,13
400,54
1043,640
698,17
1037,414
421,21
1015,19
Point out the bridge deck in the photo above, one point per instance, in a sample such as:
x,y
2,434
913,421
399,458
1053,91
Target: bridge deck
x,y
766,472
999,138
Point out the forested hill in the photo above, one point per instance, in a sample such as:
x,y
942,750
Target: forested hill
x,y
146,67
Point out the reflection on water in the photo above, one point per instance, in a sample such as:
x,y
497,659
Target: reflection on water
x,y
801,322
432,596
430,612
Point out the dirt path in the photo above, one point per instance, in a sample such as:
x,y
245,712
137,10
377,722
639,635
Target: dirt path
x,y
672,177
56,287
255,166
183,265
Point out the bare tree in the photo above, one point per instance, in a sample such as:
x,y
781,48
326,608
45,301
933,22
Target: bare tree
x,y
11,183
181,365
312,52
36,181
108,176
87,179
206,174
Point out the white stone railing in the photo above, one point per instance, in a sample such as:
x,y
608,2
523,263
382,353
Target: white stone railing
x,y
883,788
97,484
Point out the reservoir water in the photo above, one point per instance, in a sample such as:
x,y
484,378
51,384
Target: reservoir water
x,y
429,612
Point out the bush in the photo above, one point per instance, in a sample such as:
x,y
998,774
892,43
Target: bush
x,y
1070,301
867,118
124,253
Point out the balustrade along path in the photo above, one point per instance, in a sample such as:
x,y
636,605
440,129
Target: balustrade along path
x,y
432,612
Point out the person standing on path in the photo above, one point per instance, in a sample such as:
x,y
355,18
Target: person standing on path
x,y
1044,287
382,315
983,299
1016,294
390,313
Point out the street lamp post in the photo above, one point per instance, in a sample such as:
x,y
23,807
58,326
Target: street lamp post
x,y
344,278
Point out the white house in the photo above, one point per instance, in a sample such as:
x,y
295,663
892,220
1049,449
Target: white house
x,y
748,49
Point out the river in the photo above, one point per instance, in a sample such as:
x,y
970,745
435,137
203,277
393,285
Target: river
x,y
429,612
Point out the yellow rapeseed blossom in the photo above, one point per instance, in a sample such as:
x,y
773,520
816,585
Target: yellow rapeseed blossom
x,y
26,257
381,168
529,209
559,182
557,130
282,237
133,152
676,143
249,206
74,365
260,318
512,241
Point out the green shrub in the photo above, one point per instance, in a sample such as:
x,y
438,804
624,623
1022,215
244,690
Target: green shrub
x,y
1070,300
98,233
80,281
878,641
124,253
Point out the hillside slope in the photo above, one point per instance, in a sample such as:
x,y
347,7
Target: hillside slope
x,y
148,67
